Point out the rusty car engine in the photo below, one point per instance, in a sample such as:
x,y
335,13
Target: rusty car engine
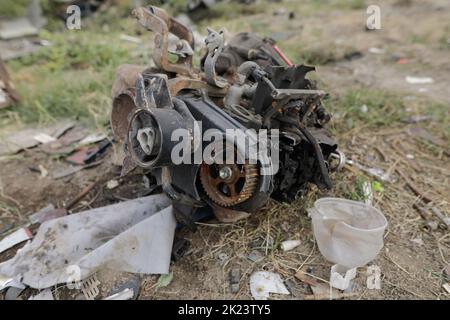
x,y
246,83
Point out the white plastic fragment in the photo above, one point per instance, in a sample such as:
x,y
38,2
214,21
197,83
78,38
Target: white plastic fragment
x,y
133,236
375,50
262,283
125,294
419,80
14,238
111,184
6,282
341,276
290,244
128,38
44,138
43,295
92,138
446,286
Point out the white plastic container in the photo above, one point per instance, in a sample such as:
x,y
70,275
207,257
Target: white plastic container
x,y
348,233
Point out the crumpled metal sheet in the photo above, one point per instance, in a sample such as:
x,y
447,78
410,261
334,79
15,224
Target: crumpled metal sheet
x,y
132,236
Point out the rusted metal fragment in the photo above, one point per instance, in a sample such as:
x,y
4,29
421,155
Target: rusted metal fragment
x,y
228,215
180,83
158,21
126,76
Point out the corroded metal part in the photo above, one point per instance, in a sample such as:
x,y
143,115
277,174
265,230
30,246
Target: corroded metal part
x,y
232,188
158,21
215,43
123,93
227,215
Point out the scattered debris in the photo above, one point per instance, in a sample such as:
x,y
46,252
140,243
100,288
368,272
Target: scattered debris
x,y
12,293
348,233
132,236
256,256
44,138
58,174
90,287
447,271
111,184
180,248
223,258
290,244
376,172
418,241
441,216
128,38
323,291
375,50
125,294
18,236
364,108
47,213
235,278
419,132
306,278
15,142
262,283
446,286
413,186
419,80
402,61
43,295
417,119
66,144
43,171
86,155
127,290
164,280
81,195
92,138
340,276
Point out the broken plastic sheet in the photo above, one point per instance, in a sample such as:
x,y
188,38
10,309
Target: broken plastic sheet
x,y
132,236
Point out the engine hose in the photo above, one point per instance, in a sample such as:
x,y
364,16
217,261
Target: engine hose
x,y
319,155
317,150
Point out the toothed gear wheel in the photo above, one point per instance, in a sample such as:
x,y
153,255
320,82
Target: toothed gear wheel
x,y
229,184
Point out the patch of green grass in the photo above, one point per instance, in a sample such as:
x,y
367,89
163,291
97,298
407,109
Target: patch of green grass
x,y
358,193
419,39
365,107
71,78
445,39
13,8
341,4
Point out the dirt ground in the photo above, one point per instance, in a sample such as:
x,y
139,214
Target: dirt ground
x,y
414,257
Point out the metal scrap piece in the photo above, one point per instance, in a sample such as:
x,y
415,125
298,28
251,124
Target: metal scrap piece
x,y
215,44
158,21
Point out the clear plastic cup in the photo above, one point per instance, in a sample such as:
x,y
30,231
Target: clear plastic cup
x,y
348,233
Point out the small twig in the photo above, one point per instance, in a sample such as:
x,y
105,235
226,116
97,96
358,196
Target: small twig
x,y
81,195
413,187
